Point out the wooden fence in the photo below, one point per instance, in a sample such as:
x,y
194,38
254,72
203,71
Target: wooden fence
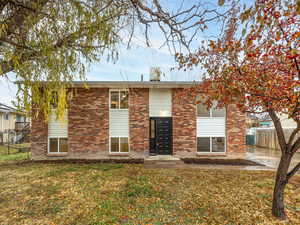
x,y
267,138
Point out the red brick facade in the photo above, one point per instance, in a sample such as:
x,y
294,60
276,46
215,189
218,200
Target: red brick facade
x,y
88,121
235,130
139,119
184,123
39,136
88,126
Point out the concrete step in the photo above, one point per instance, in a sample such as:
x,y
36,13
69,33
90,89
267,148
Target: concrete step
x,y
162,160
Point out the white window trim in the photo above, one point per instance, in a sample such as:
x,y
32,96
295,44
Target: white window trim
x,y
58,137
119,90
110,152
109,141
210,137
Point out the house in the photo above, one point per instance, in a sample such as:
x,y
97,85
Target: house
x,y
11,122
251,120
112,119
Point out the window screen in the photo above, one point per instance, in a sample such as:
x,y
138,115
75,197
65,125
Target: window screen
x,y
218,144
217,112
53,145
203,144
114,100
124,144
124,100
114,144
202,110
63,145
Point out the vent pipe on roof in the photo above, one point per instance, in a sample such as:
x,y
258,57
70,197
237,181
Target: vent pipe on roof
x,y
142,77
155,73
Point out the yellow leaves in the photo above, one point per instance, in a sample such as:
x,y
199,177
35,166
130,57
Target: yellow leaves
x,y
93,196
3,27
296,35
298,7
278,36
245,15
221,2
212,44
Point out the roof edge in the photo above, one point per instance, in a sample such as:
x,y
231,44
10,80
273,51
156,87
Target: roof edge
x,y
128,84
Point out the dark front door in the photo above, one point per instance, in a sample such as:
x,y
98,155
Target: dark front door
x,y
161,135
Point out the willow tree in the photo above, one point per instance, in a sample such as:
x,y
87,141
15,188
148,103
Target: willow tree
x,y
256,63
55,41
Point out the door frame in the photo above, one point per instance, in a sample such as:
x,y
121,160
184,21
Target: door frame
x,y
170,133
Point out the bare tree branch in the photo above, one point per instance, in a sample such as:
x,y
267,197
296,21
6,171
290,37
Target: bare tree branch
x,y
293,171
293,135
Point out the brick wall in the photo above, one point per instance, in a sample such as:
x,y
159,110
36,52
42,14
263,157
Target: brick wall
x,y
184,123
88,126
88,119
236,130
139,120
38,136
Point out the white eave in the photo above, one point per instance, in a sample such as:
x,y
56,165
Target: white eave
x,y
135,84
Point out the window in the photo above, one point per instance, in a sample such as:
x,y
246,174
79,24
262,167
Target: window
x,y
217,144
211,144
202,111
152,128
119,99
58,145
6,116
119,145
217,112
19,118
203,144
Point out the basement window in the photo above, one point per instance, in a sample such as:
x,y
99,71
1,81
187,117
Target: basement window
x,y
119,145
210,144
119,99
58,145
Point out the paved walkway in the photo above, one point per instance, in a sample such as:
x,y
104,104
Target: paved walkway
x,y
268,157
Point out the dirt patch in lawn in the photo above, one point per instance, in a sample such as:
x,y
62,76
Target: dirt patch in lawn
x,y
232,162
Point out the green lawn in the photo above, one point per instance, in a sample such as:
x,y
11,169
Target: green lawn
x,y
93,194
14,154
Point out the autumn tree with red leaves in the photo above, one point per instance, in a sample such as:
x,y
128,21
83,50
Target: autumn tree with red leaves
x,y
257,64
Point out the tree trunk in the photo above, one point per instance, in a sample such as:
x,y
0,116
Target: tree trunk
x,y
280,184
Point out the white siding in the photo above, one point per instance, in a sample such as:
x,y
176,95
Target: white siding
x,y
58,128
160,102
1,121
211,127
118,123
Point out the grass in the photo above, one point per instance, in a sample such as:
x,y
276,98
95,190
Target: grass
x,y
93,194
14,154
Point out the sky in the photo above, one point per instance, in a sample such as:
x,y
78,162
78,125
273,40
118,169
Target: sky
x,y
131,63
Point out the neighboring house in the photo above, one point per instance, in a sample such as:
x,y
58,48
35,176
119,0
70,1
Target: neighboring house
x,y
136,120
11,121
251,120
